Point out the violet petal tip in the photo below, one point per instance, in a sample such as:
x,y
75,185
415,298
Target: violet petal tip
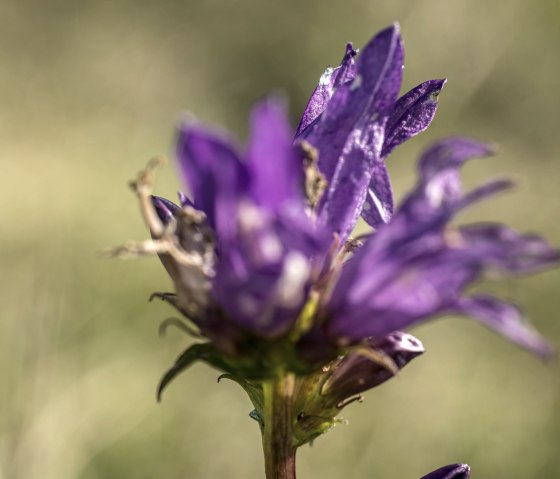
x,y
453,471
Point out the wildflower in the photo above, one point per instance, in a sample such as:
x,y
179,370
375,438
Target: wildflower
x,y
272,226
263,261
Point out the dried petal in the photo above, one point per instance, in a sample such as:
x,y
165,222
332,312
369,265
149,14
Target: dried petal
x,y
165,209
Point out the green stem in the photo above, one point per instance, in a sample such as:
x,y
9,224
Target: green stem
x,y
279,451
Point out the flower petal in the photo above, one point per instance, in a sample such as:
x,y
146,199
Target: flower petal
x,y
412,114
349,134
503,248
262,279
440,165
330,80
453,471
438,194
506,319
400,293
424,276
275,168
378,206
211,167
342,202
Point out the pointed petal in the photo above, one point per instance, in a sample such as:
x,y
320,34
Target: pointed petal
x,y
378,207
453,471
372,94
275,169
342,202
450,153
412,114
438,194
349,135
503,248
330,80
485,191
211,167
506,319
440,165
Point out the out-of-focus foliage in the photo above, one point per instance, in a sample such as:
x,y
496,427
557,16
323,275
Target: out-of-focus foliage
x,y
90,90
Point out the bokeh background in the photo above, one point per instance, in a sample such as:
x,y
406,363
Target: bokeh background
x,y
90,90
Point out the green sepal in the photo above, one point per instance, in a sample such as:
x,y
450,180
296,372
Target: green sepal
x,y
197,352
253,390
314,413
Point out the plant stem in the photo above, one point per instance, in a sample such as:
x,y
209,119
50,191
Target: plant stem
x,y
279,451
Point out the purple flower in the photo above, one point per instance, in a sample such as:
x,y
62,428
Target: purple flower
x,y
262,259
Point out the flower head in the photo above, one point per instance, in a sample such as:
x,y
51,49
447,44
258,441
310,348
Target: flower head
x,y
261,254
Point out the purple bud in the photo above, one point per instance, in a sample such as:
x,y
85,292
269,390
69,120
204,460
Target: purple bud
x,y
453,471
356,373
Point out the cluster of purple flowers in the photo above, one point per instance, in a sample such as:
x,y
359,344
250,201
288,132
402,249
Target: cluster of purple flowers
x,y
264,262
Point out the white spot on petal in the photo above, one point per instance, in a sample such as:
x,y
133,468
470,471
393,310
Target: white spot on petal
x,y
434,192
357,83
294,276
326,77
270,248
250,217
410,343
248,305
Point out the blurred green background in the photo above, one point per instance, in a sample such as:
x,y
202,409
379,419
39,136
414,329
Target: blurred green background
x,y
90,90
